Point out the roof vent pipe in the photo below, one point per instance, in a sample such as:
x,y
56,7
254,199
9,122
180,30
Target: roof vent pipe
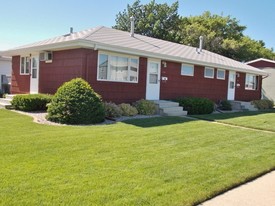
x,y
71,30
132,19
201,42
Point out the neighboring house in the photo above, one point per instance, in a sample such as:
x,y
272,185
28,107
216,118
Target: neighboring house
x,y
5,74
125,68
268,85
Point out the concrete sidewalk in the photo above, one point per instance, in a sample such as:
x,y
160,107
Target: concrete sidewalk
x,y
259,192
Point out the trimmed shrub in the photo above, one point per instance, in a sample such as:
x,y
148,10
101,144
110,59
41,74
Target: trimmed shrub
x,y
75,102
195,105
145,107
31,102
225,105
128,110
112,110
263,104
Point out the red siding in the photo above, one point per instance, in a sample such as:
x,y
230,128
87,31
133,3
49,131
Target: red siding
x,y
65,66
262,64
20,84
242,94
191,86
116,91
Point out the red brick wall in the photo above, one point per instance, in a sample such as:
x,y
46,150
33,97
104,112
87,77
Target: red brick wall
x,y
65,66
191,86
242,94
20,84
116,91
262,64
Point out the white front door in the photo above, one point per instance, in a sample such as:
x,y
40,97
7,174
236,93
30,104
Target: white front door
x,y
34,75
231,85
153,80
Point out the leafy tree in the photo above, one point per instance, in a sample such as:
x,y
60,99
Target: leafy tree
x,y
155,20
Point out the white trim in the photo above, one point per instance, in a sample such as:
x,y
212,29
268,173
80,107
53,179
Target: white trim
x,y
224,71
260,59
129,57
209,68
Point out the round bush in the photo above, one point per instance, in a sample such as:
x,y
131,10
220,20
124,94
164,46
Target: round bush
x,y
75,102
195,105
128,110
112,110
145,107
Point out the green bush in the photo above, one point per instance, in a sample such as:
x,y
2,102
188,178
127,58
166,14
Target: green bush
x,y
225,105
31,102
112,110
75,102
128,110
263,104
145,107
195,105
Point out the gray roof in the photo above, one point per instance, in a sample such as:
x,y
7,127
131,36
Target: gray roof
x,y
103,38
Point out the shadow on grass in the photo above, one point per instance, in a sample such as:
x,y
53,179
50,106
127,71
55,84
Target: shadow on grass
x,y
157,121
224,116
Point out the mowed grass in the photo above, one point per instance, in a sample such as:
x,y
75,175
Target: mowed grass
x,y
157,161
255,120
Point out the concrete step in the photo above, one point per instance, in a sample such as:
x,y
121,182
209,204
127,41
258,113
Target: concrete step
x,y
168,108
243,106
5,102
9,96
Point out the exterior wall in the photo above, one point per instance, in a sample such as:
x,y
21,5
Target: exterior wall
x,y
191,86
262,64
5,68
20,84
65,66
242,94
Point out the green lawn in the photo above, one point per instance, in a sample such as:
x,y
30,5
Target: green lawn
x,y
256,120
158,161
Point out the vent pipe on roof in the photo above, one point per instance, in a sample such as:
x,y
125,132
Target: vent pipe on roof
x,y
132,31
201,42
71,30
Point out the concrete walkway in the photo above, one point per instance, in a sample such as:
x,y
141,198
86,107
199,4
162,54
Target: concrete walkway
x,y
260,192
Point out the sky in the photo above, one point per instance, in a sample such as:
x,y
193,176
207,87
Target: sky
x,y
24,22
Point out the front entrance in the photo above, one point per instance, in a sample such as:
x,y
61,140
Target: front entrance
x,y
34,75
231,85
153,80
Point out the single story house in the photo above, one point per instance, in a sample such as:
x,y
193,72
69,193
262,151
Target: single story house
x,y
268,84
125,67
5,74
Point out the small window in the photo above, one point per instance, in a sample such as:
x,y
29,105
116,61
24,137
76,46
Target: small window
x,y
209,72
251,82
187,70
220,74
25,65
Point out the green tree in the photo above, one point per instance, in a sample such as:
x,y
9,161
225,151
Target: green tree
x,y
155,20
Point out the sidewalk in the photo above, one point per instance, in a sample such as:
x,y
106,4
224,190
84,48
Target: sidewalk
x,y
260,192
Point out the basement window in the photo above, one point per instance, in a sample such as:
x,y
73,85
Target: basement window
x,y
25,65
209,72
117,68
251,82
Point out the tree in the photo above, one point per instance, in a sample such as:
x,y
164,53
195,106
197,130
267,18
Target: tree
x,y
155,20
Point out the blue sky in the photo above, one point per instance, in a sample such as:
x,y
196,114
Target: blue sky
x,y
24,22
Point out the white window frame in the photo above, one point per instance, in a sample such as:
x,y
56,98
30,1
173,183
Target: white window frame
x,y
254,83
221,70
25,65
189,66
209,68
129,57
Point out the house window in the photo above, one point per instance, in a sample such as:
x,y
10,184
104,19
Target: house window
x,y
187,70
251,82
25,65
220,74
209,72
113,67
